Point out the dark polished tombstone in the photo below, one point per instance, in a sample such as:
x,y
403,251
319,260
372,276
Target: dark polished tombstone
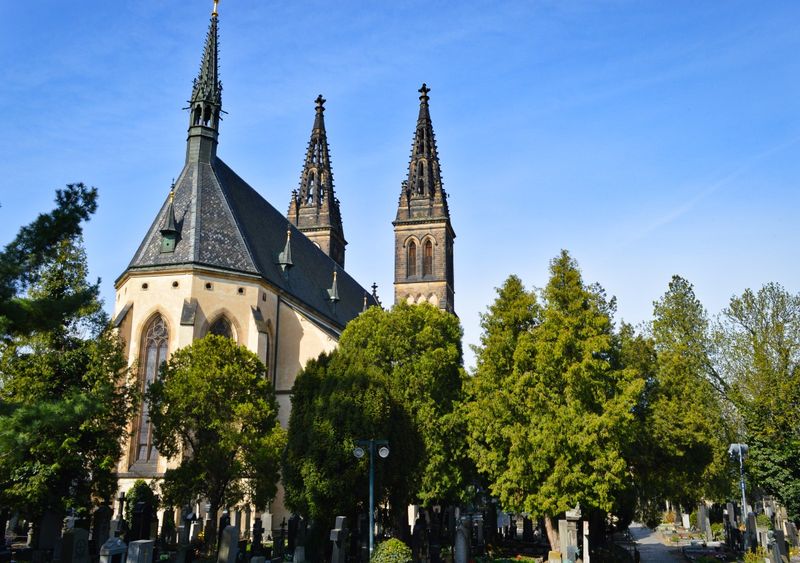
x,y
257,547
527,529
101,527
75,546
294,519
780,545
141,523
167,535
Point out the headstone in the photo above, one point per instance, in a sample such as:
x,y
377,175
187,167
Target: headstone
x,y
258,537
49,531
140,551
791,532
224,522
228,545
101,525
292,532
339,539
527,529
141,523
731,510
553,557
563,537
462,543
75,546
585,552
113,551
418,539
780,543
247,522
685,521
751,532
167,535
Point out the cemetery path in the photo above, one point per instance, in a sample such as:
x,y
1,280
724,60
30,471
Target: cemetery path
x,y
651,548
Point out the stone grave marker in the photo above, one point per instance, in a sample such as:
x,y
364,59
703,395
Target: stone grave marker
x,y
258,537
553,557
731,513
229,545
300,543
780,543
167,536
462,543
141,523
339,539
113,551
140,551
751,532
101,525
791,532
75,546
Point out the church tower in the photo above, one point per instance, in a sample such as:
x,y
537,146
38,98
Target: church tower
x,y
313,208
423,235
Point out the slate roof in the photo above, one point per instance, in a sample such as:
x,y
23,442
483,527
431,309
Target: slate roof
x,y
224,223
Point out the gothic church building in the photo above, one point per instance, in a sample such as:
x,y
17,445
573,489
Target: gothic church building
x,y
218,258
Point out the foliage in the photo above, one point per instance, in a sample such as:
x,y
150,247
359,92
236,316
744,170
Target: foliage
x,y
392,551
565,413
65,400
215,408
757,556
140,491
759,339
396,375
693,519
718,530
763,521
679,451
27,258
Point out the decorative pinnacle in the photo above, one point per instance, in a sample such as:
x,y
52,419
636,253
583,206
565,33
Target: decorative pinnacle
x,y
320,101
172,191
424,91
214,13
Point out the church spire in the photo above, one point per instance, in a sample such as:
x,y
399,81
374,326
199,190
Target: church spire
x,y
423,233
313,208
205,104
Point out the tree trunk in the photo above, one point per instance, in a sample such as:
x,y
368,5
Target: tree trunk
x,y
211,529
552,533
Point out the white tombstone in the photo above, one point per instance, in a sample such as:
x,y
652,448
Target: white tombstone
x,y
229,546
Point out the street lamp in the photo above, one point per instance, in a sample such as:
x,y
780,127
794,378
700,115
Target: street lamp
x,y
740,450
383,452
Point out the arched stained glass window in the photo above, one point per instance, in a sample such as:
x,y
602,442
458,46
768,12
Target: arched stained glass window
x,y
427,258
412,259
221,327
154,345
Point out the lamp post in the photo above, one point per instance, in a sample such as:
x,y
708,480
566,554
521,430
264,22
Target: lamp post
x,y
740,450
359,452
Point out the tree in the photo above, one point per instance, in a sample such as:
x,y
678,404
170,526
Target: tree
x,y
679,451
215,407
759,338
572,405
397,375
65,400
26,258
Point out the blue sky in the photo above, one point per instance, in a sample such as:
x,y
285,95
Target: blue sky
x,y
647,138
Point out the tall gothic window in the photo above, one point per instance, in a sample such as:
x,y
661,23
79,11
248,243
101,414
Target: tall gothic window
x,y
412,259
427,258
221,327
155,342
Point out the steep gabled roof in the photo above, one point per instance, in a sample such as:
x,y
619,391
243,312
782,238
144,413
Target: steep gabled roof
x,y
225,224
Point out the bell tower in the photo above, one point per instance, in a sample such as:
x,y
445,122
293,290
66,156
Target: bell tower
x,y
423,235
313,207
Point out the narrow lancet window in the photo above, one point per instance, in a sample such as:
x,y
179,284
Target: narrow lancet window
x,y
221,327
412,259
155,345
427,259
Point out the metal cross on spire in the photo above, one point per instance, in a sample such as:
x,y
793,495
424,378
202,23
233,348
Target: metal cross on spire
x,y
214,13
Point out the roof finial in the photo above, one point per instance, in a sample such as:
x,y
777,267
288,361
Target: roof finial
x,y
214,13
333,292
172,191
320,101
424,91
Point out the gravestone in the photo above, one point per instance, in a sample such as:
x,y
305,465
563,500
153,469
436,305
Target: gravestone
x,y
140,551
101,525
791,532
751,532
338,538
141,522
300,543
75,546
258,537
585,552
49,532
248,523
780,544
553,557
229,545
167,535
563,538
527,529
292,532
462,543
113,551
731,510
224,522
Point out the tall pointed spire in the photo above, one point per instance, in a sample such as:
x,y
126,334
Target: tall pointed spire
x,y
205,105
313,208
423,233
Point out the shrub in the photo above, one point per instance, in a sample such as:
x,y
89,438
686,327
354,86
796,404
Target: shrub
x,y
763,521
668,518
693,520
755,557
718,530
392,551
139,492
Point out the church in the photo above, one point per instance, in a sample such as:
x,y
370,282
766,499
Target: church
x,y
218,258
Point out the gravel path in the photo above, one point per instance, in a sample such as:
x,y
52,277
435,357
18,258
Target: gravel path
x,y
651,548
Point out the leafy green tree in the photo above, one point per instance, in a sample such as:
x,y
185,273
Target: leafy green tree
x,y
28,256
215,408
759,339
679,450
573,406
140,491
65,401
396,375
